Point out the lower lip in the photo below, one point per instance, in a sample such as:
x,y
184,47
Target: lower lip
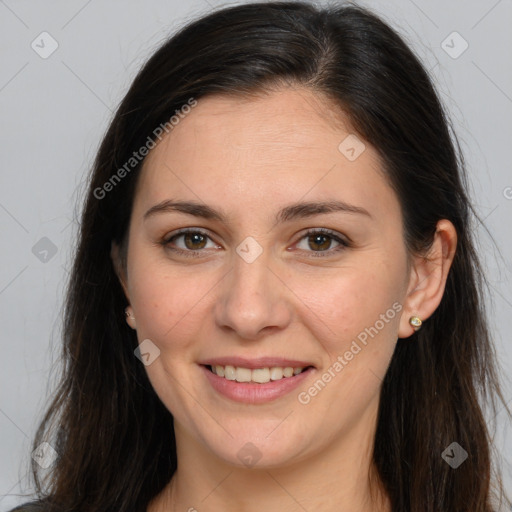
x,y
252,393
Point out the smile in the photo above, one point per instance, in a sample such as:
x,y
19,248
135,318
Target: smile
x,y
257,375
256,385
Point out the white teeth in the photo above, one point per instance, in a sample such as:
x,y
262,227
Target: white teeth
x,y
288,371
230,372
259,375
276,373
243,375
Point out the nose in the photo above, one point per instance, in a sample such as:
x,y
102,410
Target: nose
x,y
253,300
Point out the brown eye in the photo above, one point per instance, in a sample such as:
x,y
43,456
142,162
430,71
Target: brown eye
x,y
194,240
317,241
188,242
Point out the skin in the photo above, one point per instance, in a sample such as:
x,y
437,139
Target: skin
x,y
249,158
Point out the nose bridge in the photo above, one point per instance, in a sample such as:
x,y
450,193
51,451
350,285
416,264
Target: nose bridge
x,y
250,277
252,296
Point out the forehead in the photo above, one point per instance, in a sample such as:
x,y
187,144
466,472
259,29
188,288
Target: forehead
x,y
252,151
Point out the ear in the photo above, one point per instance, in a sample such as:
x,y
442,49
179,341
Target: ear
x,y
428,276
118,268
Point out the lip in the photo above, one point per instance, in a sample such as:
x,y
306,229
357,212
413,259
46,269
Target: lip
x,y
254,393
259,362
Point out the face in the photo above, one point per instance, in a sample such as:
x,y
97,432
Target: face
x,y
307,286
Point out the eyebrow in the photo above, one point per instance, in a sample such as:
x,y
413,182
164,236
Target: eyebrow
x,y
291,212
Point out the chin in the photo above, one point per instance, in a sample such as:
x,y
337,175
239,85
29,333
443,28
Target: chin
x,y
260,451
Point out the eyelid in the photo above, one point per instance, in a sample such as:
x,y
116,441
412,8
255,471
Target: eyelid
x,y
343,241
185,231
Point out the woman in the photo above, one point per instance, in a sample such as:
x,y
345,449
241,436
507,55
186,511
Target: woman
x,y
275,303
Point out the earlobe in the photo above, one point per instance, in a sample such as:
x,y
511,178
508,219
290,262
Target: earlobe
x,y
428,278
130,317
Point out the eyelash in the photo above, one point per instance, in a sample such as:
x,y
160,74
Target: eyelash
x,y
344,244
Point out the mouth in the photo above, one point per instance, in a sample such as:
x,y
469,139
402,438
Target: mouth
x,y
255,385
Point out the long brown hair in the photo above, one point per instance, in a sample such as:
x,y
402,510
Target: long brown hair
x,y
114,437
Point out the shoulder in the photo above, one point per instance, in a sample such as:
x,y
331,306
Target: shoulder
x,y
33,506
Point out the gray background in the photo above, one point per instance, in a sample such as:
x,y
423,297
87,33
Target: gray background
x,y
54,111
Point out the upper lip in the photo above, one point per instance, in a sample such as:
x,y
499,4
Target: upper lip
x,y
260,362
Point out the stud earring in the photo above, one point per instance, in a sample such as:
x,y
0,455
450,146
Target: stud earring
x,y
130,319
416,322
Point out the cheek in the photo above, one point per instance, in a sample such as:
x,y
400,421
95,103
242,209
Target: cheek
x,y
168,311
356,322
165,301
347,302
